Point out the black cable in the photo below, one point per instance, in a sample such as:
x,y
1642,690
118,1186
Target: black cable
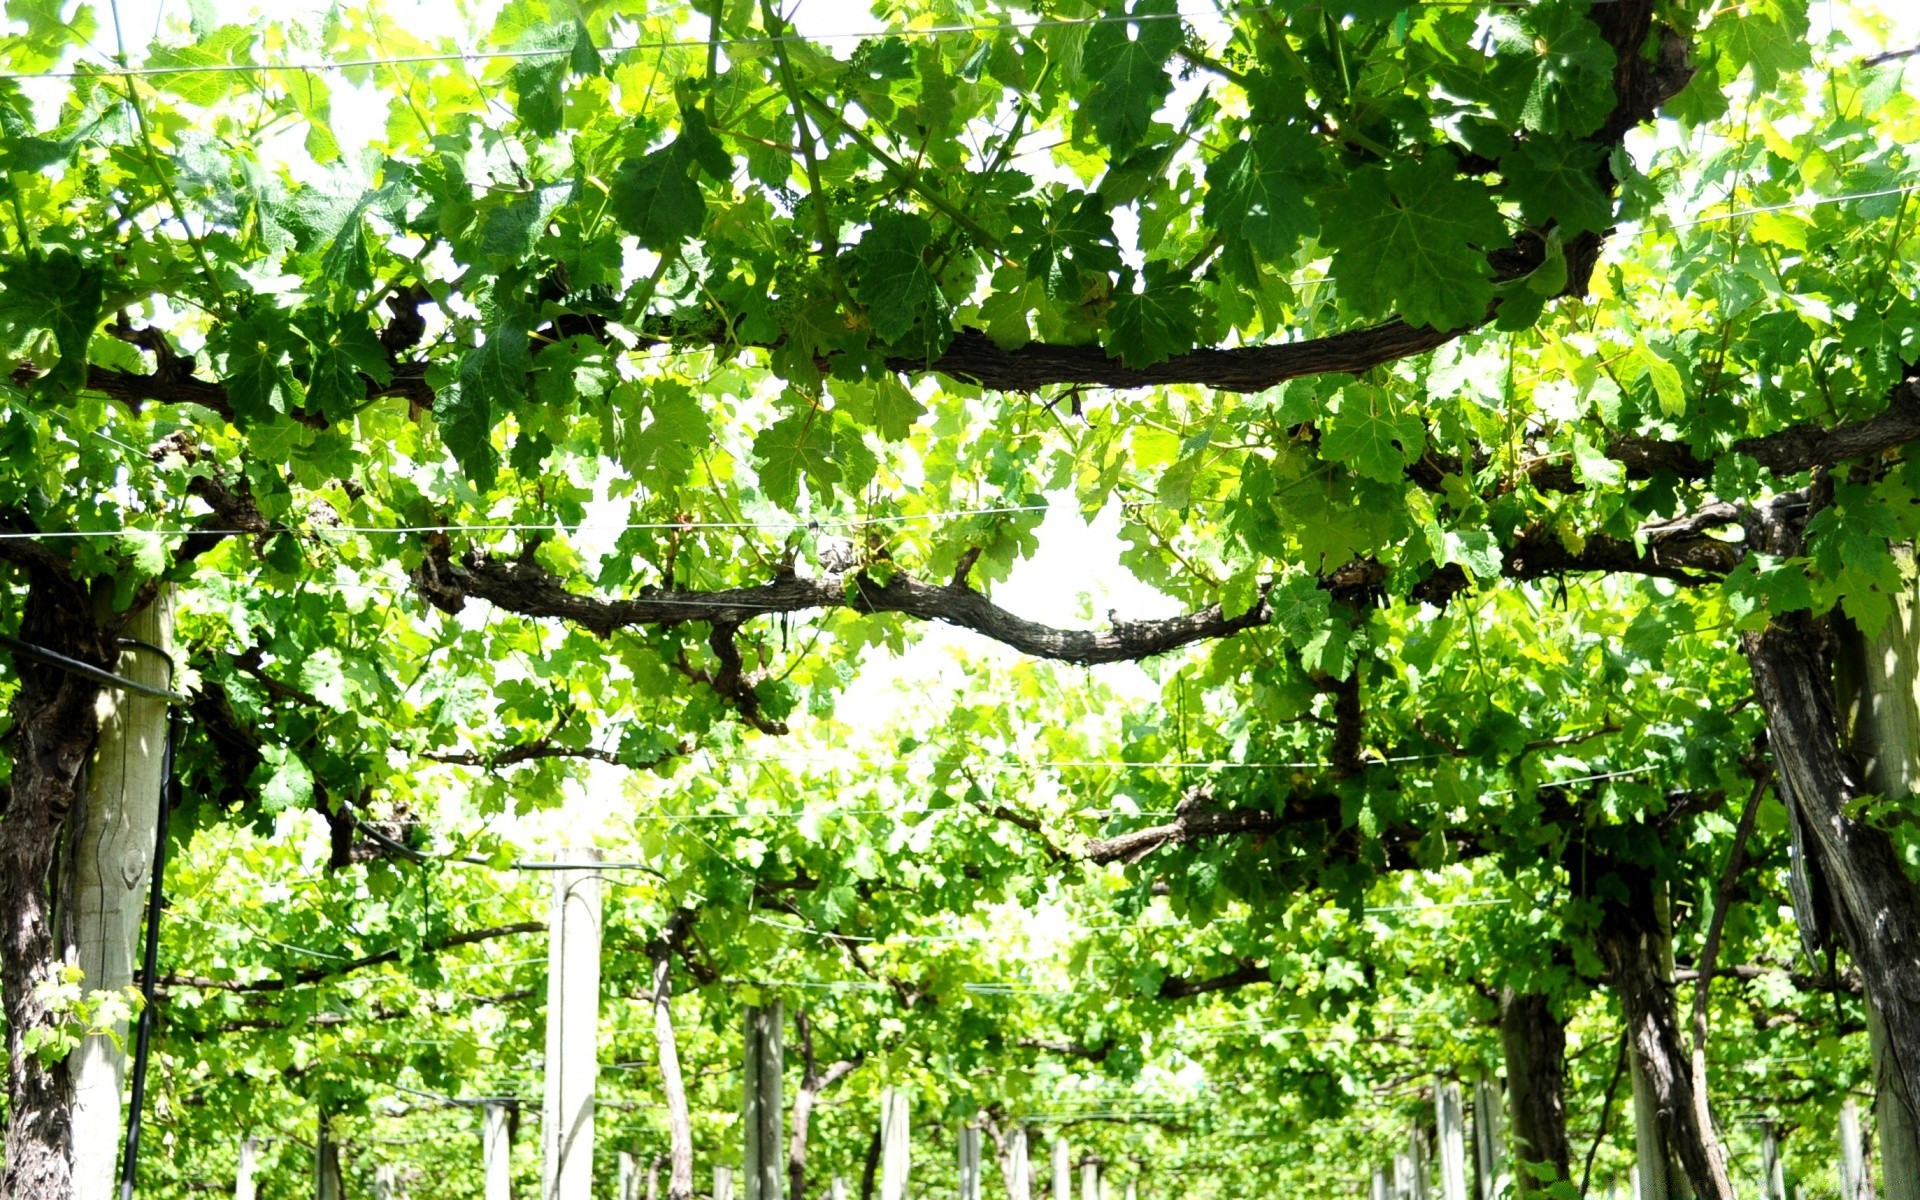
x,y
87,670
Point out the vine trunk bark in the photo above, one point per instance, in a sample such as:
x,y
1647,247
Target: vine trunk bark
x,y
1879,694
1534,1041
1633,943
53,736
1875,903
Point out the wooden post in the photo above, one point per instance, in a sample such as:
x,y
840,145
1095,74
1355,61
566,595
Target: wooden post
x,y
763,1159
723,1183
1853,1154
573,1024
1019,1165
1880,682
1090,1178
896,1149
1450,1117
112,863
243,1185
1489,1141
969,1162
1062,1169
1649,1148
1773,1171
326,1162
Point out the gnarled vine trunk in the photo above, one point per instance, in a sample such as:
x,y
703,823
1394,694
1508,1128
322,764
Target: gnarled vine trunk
x,y
54,730
1879,696
1534,1041
1876,904
1632,941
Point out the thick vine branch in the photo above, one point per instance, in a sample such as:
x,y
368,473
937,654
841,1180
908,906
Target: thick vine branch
x,y
321,974
532,591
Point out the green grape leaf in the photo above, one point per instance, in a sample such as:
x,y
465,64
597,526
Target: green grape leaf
x,y
1154,324
1372,434
1067,244
1413,239
60,293
258,377
1557,181
656,197
1128,62
346,352
1255,190
1768,37
491,378
1563,66
897,287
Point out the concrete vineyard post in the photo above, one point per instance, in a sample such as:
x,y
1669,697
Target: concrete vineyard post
x,y
112,864
969,1162
1062,1169
1382,1188
1773,1171
1019,1165
1489,1141
1853,1154
496,1150
628,1176
896,1150
723,1183
1450,1117
243,1185
763,1159
1090,1178
573,1024
838,1190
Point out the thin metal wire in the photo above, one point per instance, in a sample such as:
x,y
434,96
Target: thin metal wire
x,y
544,527
1027,26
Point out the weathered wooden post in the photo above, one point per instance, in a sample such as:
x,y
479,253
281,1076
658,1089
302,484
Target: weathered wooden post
x,y
243,1186
573,1024
326,1161
896,1148
763,1160
112,857
1062,1169
496,1149
1853,1154
969,1162
1650,1170
1450,1118
1018,1167
1489,1141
